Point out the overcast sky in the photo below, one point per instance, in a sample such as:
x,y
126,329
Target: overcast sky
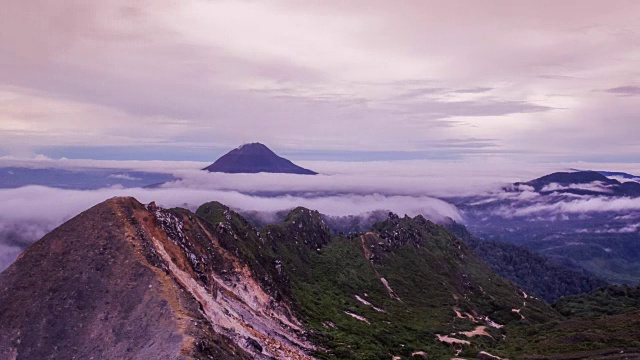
x,y
321,80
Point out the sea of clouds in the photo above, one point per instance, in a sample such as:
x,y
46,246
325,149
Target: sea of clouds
x,y
342,188
27,213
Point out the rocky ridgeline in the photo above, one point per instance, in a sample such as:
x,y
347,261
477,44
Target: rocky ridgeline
x,y
123,280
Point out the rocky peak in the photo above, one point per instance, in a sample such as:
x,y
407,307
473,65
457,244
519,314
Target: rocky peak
x,y
146,281
398,231
308,227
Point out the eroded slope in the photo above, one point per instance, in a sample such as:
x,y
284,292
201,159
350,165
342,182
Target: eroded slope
x,y
124,281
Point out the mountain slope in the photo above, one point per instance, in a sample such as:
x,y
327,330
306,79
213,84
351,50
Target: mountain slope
x,y
604,324
608,300
394,291
121,281
255,158
547,278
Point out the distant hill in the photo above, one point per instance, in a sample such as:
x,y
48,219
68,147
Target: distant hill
x,y
583,183
581,217
617,174
548,278
566,178
255,158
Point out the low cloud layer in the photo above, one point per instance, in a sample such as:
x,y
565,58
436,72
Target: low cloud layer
x,y
28,213
343,188
595,186
584,204
606,207
435,177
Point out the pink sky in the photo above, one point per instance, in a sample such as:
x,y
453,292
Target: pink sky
x,y
542,80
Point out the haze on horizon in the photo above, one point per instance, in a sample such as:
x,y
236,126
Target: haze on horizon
x,y
536,81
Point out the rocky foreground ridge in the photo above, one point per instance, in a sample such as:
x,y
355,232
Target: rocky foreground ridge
x,y
122,280
128,281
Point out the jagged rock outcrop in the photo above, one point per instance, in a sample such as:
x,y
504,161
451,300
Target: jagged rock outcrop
x,y
308,227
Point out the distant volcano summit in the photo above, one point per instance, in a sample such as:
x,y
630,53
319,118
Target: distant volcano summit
x,y
255,158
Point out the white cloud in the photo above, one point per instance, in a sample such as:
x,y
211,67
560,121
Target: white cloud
x,y
596,186
627,229
411,177
585,204
27,213
124,177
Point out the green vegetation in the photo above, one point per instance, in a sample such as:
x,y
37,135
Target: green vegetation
x,y
240,238
538,275
610,300
604,324
576,338
335,286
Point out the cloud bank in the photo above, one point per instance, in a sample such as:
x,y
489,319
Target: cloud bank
x,y
344,188
584,204
28,213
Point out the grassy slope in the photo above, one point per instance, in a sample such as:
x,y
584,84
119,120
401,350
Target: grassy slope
x,y
577,338
430,271
608,300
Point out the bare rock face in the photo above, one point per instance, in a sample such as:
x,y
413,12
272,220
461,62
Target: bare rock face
x,y
121,281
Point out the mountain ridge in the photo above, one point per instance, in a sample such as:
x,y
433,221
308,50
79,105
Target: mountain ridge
x,y
125,280
582,183
119,252
96,281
